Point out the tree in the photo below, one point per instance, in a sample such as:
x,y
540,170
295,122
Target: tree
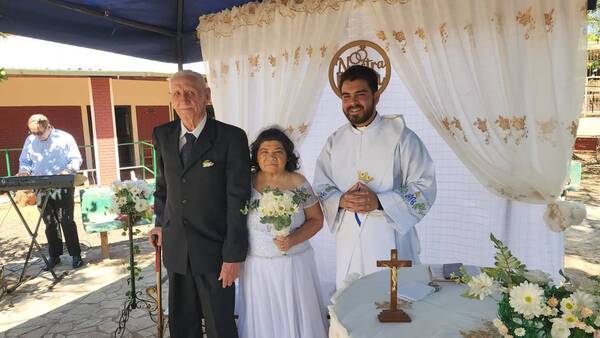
x,y
594,25
3,75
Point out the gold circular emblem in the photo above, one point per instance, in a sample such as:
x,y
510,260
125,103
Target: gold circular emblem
x,y
360,52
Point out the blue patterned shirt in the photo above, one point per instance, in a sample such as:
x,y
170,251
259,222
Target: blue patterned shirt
x,y
52,156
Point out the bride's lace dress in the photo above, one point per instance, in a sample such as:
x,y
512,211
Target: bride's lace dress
x,y
279,294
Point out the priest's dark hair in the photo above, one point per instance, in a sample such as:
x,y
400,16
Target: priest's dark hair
x,y
274,134
359,72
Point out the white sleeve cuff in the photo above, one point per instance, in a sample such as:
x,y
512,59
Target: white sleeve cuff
x,y
395,209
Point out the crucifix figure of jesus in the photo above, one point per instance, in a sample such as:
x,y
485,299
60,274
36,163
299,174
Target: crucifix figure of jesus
x,y
393,314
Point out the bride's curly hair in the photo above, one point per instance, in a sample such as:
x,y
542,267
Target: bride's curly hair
x,y
274,134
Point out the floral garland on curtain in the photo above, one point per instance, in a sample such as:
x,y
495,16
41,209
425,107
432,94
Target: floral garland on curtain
x,y
224,23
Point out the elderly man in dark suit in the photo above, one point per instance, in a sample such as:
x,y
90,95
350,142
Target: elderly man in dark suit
x,y
202,182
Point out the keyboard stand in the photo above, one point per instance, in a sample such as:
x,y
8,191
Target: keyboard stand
x,y
34,241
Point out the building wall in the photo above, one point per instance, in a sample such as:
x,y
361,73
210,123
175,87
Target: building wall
x,y
44,91
140,92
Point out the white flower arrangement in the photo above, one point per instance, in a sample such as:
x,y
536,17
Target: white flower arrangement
x,y
530,306
131,199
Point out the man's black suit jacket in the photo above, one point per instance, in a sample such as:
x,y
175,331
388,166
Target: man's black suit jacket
x,y
198,206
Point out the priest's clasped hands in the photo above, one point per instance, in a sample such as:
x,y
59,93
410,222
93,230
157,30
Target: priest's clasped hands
x,y
359,198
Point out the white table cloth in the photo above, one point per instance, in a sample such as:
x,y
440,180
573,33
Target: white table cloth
x,y
442,314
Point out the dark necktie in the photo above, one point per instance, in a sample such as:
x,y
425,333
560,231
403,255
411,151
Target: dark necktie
x,y
186,150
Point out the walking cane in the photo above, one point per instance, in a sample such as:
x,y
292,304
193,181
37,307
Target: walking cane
x,y
157,269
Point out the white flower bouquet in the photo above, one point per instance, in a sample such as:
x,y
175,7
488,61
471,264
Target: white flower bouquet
x,y
130,202
131,199
276,207
530,305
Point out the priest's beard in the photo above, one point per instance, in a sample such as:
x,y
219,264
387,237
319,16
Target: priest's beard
x,y
357,119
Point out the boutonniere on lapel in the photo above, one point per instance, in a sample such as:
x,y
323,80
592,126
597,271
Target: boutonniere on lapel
x,y
207,164
364,177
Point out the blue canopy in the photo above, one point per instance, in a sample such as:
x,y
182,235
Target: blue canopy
x,y
160,30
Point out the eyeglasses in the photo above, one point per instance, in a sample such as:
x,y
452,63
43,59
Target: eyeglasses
x,y
37,133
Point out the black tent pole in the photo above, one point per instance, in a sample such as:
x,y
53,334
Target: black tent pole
x,y
108,16
179,42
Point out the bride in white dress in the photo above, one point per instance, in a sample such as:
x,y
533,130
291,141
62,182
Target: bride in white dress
x,y
279,294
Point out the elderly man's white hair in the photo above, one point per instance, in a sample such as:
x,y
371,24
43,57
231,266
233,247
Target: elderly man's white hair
x,y
190,73
41,120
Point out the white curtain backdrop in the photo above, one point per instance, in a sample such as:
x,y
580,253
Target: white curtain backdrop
x,y
268,61
501,81
492,87
465,212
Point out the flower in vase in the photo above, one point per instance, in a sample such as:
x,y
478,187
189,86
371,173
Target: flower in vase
x,y
481,286
559,329
503,330
567,305
121,201
569,320
141,205
549,311
135,190
582,299
552,302
526,299
116,186
586,312
520,332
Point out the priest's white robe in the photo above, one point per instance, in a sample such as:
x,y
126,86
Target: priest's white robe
x,y
392,160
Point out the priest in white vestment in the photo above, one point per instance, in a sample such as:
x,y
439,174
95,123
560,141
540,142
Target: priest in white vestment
x,y
375,179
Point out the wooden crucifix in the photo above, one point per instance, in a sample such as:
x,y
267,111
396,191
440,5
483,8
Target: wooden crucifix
x,y
393,314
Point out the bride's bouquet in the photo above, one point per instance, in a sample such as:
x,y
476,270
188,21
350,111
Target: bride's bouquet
x,y
276,207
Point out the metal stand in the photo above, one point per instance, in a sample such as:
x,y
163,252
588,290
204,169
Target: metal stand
x,y
34,242
134,298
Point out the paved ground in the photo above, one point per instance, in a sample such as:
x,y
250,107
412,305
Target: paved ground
x,y
582,243
87,302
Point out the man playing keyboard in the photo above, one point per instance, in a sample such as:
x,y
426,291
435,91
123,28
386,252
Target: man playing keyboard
x,y
50,151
